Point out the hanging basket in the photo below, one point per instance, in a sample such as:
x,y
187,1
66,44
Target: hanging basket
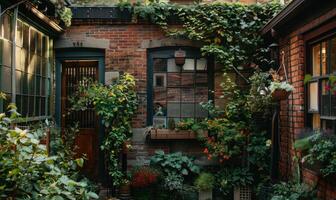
x,y
280,94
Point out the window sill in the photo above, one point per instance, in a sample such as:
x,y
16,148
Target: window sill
x,y
166,134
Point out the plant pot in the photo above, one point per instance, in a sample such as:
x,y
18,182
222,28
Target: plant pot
x,y
280,94
166,134
205,195
242,193
124,191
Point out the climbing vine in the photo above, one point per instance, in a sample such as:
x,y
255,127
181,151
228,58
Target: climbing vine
x,y
115,104
229,32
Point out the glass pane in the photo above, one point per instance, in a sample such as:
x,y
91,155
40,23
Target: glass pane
x,y
7,53
189,65
24,60
333,56
313,97
174,79
38,65
19,33
201,64
188,110
324,58
39,44
174,94
333,104
187,80
18,59
316,60
43,87
316,121
202,79
160,108
43,105
32,64
25,83
18,82
159,65
200,112
31,83
33,40
188,95
173,109
6,102
172,67
37,106
25,103
7,28
31,107
25,40
45,41
6,82
38,86
325,99
172,122
159,80
19,103
160,94
327,125
201,94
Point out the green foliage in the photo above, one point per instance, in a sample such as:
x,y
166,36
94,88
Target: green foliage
x,y
173,182
205,181
174,163
229,32
281,86
27,172
293,191
229,178
115,104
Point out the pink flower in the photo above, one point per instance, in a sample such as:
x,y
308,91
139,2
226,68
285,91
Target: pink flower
x,y
327,87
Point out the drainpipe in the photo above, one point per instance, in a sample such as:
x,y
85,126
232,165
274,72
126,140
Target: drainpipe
x,y
14,25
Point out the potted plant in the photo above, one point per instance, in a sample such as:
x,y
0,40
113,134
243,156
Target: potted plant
x,y
279,88
205,183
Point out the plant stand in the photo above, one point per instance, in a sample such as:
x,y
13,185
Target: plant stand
x,y
242,193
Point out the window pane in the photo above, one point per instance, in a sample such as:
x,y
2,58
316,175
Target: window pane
x,y
43,87
333,104
39,44
45,45
7,28
327,125
316,60
6,53
33,40
173,109
324,58
160,94
189,65
18,58
19,33
31,83
24,60
188,95
174,79
201,94
25,105
32,64
200,111
18,82
159,65
25,84
325,99
201,64
6,82
202,79
37,106
159,122
31,107
6,102
38,86
188,110
19,103
172,67
25,36
174,94
333,56
313,96
187,80
43,105
38,65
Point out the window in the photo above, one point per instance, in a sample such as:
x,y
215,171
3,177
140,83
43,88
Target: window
x,y
321,100
33,59
177,91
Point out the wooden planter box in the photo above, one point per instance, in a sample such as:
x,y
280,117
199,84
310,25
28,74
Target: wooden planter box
x,y
166,134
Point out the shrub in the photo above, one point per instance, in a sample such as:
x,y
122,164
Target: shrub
x,y
205,181
293,191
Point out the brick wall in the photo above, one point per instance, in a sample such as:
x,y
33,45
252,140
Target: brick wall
x,y
292,110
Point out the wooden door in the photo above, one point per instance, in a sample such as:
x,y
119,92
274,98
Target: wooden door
x,y
86,142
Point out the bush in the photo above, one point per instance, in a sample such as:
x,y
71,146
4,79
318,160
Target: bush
x,y
26,170
205,181
293,191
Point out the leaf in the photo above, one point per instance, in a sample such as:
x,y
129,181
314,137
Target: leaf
x,y
93,195
80,162
307,78
184,172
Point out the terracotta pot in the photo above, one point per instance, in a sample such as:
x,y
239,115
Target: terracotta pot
x,y
280,94
179,60
124,189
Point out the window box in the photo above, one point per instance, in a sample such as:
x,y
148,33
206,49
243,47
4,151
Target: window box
x,y
166,134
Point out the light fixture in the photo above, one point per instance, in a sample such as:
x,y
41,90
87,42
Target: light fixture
x,y
180,56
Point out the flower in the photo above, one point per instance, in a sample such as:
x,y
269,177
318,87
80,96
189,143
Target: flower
x,y
144,177
268,143
206,151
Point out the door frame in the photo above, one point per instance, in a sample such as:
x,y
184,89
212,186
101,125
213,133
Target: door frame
x,y
63,54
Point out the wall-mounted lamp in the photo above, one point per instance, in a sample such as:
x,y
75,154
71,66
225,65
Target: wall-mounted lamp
x,y
180,56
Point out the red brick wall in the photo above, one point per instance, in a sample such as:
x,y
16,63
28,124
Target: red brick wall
x,y
292,110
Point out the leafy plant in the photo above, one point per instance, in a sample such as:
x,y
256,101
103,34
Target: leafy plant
x,y
109,102
281,86
205,181
144,177
229,178
28,172
293,191
174,163
173,182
